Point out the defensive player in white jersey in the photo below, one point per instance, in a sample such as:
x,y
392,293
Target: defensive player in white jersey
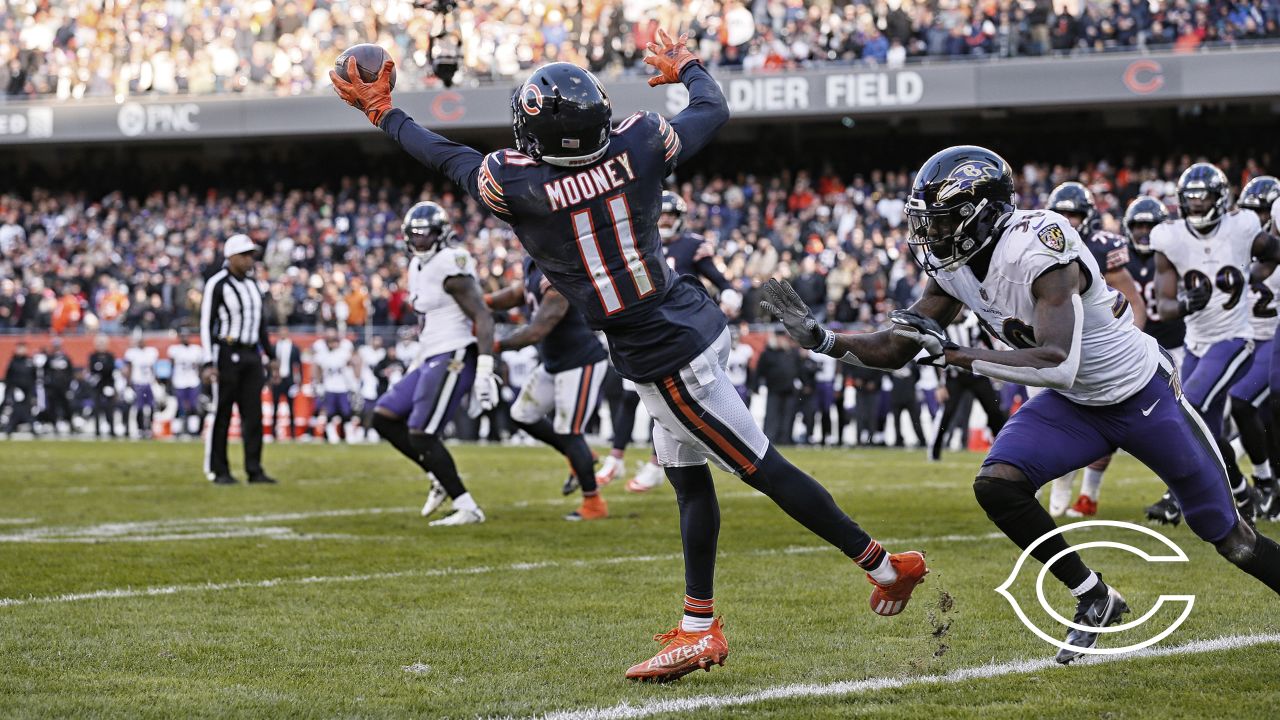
x,y
331,361
1259,432
456,356
1028,277
823,400
1203,264
142,376
738,368
187,358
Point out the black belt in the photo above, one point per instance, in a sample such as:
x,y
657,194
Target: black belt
x,y
237,345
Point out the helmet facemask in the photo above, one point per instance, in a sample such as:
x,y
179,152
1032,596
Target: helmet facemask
x,y
1202,208
946,239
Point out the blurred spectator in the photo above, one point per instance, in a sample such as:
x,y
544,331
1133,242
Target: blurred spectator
x,y
73,50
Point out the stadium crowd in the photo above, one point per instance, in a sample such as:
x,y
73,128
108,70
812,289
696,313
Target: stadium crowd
x,y
70,263
334,259
120,48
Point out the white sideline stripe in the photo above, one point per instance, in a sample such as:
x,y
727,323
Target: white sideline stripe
x,y
628,711
130,592
271,533
18,521
154,526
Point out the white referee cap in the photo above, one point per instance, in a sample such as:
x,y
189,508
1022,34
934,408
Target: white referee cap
x,y
237,244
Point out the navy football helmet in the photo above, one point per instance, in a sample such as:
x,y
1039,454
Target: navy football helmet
x,y
1204,196
674,206
1073,200
1143,214
561,116
957,198
1259,195
426,229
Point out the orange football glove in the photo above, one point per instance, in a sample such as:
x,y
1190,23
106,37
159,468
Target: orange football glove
x,y
668,58
372,98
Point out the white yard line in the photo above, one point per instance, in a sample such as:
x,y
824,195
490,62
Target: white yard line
x,y
844,688
131,592
176,525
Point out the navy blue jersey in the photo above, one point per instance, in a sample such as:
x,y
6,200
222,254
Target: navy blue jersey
x,y
692,254
570,344
593,229
1111,251
1169,333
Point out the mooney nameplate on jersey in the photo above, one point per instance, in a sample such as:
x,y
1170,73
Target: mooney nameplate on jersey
x,y
573,189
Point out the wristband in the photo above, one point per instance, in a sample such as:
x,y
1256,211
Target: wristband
x,y
828,341
484,365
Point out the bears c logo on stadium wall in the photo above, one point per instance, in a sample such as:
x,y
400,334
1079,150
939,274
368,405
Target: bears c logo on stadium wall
x,y
531,100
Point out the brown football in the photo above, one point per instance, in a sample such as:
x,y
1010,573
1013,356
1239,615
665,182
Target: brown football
x,y
369,59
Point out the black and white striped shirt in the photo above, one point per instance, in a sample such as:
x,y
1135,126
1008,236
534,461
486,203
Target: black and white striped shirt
x,y
232,313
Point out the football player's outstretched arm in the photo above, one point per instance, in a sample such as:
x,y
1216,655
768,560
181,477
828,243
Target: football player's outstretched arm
x,y
457,161
466,292
884,349
1122,281
508,297
1168,305
1266,250
1055,361
708,110
549,313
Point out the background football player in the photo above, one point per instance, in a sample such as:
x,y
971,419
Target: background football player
x,y
1074,202
1028,277
687,253
455,356
566,382
331,361
1248,396
583,198
1202,273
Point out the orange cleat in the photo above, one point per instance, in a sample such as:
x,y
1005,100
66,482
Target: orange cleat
x,y
892,599
683,653
1084,506
592,508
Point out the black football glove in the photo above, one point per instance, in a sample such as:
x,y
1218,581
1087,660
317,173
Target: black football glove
x,y
1195,298
925,332
785,304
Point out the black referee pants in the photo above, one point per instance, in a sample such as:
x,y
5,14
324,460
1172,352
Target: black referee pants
x,y
240,381
958,385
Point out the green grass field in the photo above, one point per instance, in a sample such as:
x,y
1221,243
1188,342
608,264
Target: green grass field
x,y
131,587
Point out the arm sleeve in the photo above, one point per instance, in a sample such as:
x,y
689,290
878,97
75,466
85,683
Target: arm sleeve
x,y
264,339
706,267
707,112
206,319
459,162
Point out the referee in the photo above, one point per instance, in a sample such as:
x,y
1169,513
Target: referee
x,y
234,336
965,332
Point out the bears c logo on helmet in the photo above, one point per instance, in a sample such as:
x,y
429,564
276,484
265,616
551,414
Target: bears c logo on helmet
x,y
531,100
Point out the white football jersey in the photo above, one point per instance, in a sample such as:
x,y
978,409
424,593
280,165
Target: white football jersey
x,y
446,327
142,364
1117,360
186,365
739,363
1264,303
520,364
826,367
1222,259
332,364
